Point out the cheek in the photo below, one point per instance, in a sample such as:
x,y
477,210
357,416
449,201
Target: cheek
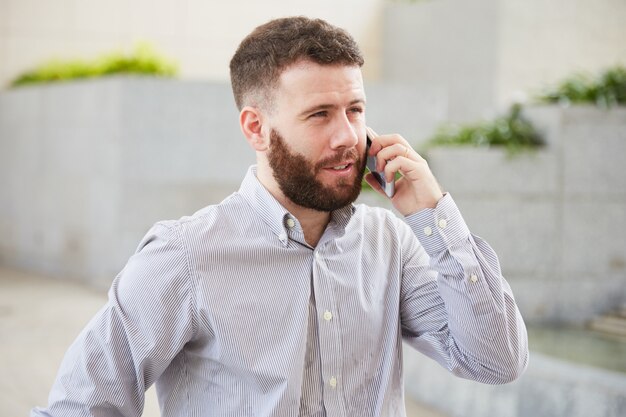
x,y
312,143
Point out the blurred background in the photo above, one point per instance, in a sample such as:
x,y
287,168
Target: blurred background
x,y
116,114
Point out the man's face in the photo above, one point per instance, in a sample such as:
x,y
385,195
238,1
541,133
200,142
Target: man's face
x,y
317,135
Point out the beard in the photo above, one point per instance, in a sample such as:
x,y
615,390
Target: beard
x,y
297,177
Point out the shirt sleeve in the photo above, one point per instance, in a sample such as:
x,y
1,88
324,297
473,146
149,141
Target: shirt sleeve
x,y
456,306
147,320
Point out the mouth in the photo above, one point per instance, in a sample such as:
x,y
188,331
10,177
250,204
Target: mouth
x,y
342,167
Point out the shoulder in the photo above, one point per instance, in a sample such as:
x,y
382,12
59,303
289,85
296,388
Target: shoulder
x,y
209,229
168,246
231,209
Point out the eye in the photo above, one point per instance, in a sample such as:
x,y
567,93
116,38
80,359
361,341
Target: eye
x,y
356,110
320,114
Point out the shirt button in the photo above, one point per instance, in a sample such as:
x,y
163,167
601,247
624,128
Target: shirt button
x,y
290,223
428,231
328,316
473,278
443,223
332,382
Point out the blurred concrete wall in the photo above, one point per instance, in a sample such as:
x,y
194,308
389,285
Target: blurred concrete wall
x,y
557,217
486,53
87,167
201,35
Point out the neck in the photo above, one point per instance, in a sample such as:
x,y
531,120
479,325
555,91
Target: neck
x,y
313,222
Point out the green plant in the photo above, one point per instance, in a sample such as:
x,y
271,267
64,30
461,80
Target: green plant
x,y
605,90
512,131
143,59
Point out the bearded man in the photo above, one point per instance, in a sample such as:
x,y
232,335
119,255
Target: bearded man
x,y
287,299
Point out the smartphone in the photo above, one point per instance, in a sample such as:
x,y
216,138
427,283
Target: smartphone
x,y
388,187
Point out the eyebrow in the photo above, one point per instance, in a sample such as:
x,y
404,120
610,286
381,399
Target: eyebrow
x,y
319,107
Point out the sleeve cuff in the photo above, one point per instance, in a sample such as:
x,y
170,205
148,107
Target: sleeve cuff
x,y
439,228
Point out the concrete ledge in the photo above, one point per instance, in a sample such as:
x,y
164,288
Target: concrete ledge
x,y
549,388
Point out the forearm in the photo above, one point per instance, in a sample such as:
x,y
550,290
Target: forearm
x,y
97,373
148,319
481,333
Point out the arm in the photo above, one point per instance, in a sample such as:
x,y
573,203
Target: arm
x,y
456,307
133,338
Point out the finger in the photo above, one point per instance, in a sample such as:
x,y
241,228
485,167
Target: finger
x,y
391,152
409,168
387,140
395,165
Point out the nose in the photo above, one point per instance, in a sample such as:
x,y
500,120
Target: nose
x,y
344,134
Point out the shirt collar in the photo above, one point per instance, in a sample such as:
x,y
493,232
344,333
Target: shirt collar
x,y
277,217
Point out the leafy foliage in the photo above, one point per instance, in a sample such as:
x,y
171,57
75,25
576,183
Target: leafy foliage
x,y
143,59
605,90
512,131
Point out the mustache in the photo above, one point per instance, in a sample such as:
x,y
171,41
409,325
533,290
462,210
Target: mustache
x,y
351,154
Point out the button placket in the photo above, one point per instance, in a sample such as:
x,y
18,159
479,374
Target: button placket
x,y
329,335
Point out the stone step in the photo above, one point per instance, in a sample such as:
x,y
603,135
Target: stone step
x,y
612,324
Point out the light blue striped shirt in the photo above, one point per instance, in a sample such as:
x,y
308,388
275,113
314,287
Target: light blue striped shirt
x,y
231,313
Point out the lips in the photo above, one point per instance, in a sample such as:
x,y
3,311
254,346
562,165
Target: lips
x,y
341,167
340,163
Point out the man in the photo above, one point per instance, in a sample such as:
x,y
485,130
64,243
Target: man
x,y
286,299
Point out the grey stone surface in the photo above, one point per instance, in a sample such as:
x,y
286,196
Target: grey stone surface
x,y
594,158
486,54
455,52
521,231
550,387
528,175
586,225
413,110
90,165
556,217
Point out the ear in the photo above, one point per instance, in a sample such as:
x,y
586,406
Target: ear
x,y
251,123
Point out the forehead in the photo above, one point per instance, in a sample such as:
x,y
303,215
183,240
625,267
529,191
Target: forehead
x,y
307,83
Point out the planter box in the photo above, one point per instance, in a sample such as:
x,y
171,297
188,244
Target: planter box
x,y
556,217
88,167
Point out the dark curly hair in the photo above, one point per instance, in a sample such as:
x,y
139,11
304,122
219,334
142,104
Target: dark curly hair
x,y
273,46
